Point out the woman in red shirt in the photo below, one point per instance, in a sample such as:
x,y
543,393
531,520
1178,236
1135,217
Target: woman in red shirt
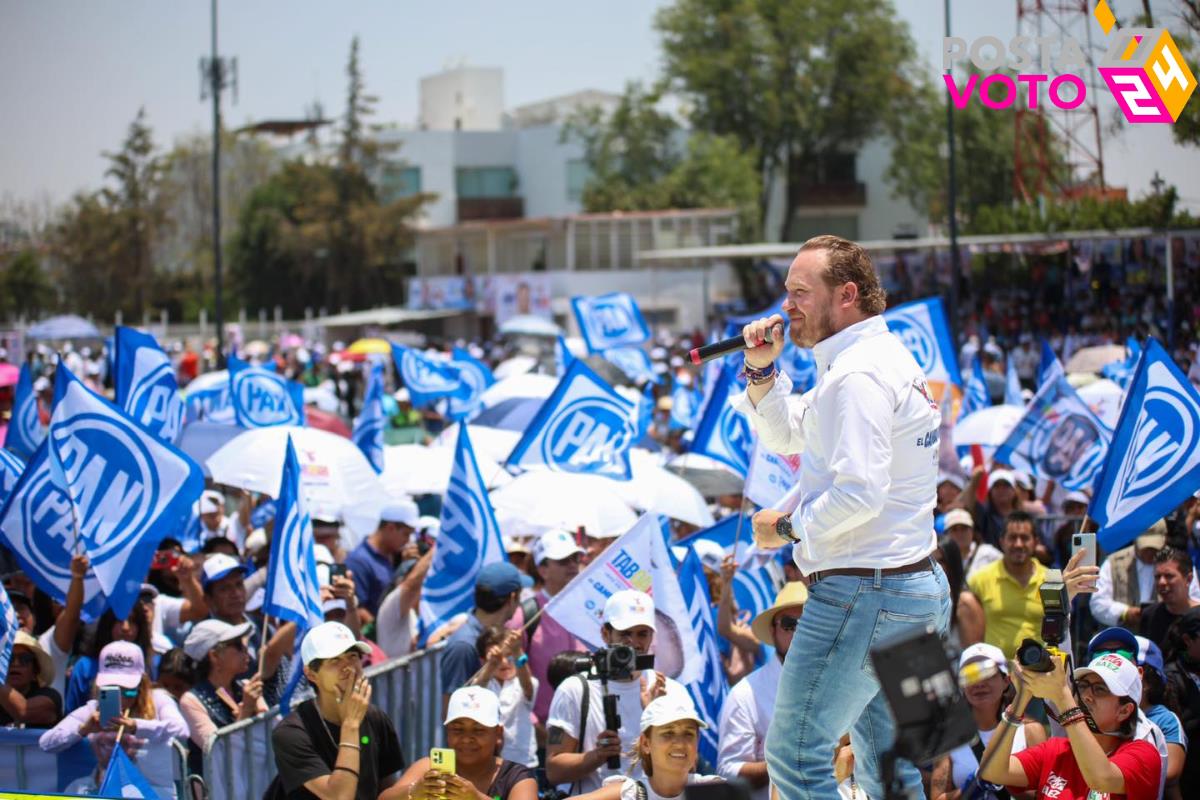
x,y
1084,765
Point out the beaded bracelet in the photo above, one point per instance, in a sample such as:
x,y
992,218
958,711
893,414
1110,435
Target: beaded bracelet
x,y
758,375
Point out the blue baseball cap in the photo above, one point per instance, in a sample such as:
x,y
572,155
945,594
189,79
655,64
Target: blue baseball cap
x,y
1122,637
219,566
1149,655
500,578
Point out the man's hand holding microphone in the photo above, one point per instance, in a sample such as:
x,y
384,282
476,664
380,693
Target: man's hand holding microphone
x,y
760,372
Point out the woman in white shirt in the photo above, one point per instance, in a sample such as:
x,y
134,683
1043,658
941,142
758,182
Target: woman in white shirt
x,y
986,696
667,751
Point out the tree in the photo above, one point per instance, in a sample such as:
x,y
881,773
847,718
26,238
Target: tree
x,y
794,82
640,159
24,287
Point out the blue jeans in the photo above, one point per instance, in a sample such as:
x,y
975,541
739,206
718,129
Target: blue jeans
x,y
828,686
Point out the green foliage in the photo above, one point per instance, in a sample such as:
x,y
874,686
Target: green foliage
x,y
1153,211
641,159
24,287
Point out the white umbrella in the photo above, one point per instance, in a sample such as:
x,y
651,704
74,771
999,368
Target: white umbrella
x,y
711,478
1094,359
336,476
1104,398
653,488
493,443
988,427
417,469
208,380
201,439
545,499
522,386
517,365
323,397
530,325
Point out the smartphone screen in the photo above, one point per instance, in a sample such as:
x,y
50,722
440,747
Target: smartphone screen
x,y
110,704
1087,543
442,759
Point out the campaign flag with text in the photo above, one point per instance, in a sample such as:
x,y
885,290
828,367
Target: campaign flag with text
x,y
25,430
584,427
1058,439
723,432
476,378
709,690
427,379
925,330
123,779
1049,368
976,397
262,398
144,383
126,488
210,403
771,476
1153,462
292,592
37,527
639,560
610,320
469,539
9,626
368,428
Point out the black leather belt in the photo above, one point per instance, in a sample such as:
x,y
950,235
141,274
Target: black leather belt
x,y
862,572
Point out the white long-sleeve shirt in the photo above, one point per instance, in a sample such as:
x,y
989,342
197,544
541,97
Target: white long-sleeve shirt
x,y
745,718
869,434
1108,611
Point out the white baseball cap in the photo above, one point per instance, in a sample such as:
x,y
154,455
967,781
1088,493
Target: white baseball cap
x,y
984,652
429,526
218,566
957,516
41,384
1119,674
402,511
1001,476
555,545
957,481
329,640
671,707
629,608
1022,480
475,703
209,633
710,553
1077,497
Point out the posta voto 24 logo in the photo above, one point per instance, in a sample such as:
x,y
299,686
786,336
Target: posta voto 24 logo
x,y
1142,67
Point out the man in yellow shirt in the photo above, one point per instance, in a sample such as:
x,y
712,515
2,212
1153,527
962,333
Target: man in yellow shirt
x,y
1008,589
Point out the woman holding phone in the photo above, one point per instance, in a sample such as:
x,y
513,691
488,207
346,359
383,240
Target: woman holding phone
x,y
475,735
146,719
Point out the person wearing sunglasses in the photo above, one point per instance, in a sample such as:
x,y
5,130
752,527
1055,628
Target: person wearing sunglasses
x,y
750,704
1082,764
217,698
149,720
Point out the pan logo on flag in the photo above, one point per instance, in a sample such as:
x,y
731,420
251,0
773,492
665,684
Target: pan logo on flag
x,y
916,340
26,420
1167,432
588,432
457,553
109,469
155,403
50,512
1070,445
736,435
295,554
422,376
613,318
263,398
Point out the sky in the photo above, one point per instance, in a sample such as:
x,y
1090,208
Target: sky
x,y
76,71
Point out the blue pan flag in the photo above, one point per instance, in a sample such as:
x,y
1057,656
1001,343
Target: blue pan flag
x,y
25,431
976,397
476,378
145,385
634,362
1012,385
610,320
723,432
1049,368
123,779
368,428
292,592
924,328
427,379
8,629
709,690
262,397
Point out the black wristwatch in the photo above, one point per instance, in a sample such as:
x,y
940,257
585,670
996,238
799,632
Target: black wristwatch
x,y
783,528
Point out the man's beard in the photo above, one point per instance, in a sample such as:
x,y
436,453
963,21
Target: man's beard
x,y
820,331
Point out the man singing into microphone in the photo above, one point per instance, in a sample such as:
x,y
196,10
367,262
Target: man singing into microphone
x,y
863,528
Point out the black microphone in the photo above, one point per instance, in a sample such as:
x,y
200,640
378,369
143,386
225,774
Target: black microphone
x,y
733,344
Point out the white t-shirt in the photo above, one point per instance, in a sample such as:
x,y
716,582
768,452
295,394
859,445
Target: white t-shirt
x,y
520,743
629,786
745,718
394,630
566,706
58,658
166,631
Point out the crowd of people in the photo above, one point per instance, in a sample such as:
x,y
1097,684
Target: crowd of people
x,y
523,710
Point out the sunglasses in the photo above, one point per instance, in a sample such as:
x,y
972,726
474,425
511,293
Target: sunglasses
x,y
787,624
24,659
130,693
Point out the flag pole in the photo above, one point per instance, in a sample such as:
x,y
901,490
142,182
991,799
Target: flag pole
x,y
262,646
737,537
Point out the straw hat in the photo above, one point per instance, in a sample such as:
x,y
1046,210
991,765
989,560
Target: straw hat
x,y
45,675
792,595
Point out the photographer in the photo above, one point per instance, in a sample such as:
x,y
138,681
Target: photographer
x,y
1083,763
580,742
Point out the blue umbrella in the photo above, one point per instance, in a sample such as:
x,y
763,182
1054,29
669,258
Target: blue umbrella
x,y
67,326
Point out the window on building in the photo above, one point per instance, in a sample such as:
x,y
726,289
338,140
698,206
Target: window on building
x,y
486,182
398,181
578,174
832,167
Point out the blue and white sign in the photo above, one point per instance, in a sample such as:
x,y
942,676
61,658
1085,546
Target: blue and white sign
x,y
128,489
1153,463
427,379
634,362
262,398
610,320
38,527
25,430
709,690
469,539
584,426
368,428
476,378
925,330
292,592
145,384
976,396
723,432
1058,439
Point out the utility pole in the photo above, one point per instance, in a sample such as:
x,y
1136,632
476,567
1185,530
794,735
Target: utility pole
x,y
217,74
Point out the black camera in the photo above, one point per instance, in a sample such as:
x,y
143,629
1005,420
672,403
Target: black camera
x,y
618,663
1056,614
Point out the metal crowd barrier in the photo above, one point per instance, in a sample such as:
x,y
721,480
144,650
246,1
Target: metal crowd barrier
x,y
239,761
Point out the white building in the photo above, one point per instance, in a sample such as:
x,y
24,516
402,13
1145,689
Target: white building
x,y
462,99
